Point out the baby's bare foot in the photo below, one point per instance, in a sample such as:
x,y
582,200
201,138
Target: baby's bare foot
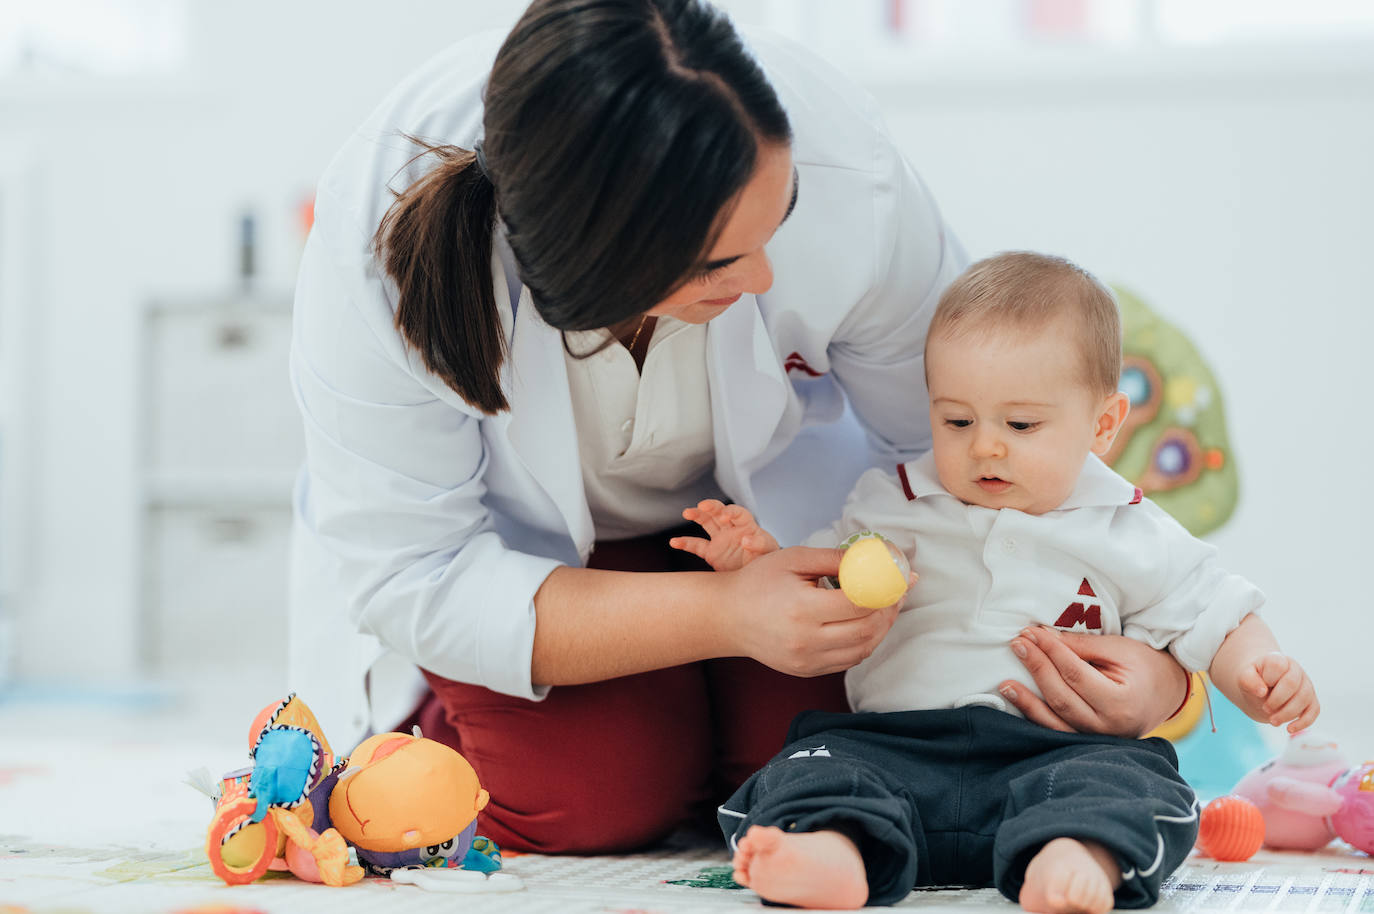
x,y
820,869
1071,877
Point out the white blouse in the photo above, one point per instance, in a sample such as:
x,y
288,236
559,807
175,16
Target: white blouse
x,y
644,439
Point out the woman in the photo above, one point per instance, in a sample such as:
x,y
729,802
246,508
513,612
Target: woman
x,y
631,261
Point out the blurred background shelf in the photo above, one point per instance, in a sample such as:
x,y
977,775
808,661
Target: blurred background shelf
x,y
221,444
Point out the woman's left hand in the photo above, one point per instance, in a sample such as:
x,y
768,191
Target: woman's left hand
x,y
1106,684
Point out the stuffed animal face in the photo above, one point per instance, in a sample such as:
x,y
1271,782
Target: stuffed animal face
x,y
448,854
402,793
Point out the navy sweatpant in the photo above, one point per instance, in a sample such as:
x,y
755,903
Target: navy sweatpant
x,y
968,796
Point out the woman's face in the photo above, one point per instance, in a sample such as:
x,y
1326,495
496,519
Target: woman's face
x,y
737,263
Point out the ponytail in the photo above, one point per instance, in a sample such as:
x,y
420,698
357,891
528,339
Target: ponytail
x,y
619,133
435,244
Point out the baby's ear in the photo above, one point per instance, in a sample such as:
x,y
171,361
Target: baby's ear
x,y
1111,416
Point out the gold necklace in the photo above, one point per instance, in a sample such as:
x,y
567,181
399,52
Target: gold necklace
x,y
638,330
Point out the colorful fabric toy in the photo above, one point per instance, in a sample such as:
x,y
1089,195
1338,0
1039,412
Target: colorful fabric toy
x,y
1353,822
1174,444
391,829
399,801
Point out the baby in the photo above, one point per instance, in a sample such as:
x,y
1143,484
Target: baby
x,y
1012,522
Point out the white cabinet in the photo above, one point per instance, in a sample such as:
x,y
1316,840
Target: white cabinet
x,y
221,445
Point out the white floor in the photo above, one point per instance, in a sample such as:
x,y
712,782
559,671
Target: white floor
x,y
94,818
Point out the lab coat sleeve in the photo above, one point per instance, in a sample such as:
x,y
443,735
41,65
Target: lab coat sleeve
x,y
1193,602
878,353
395,485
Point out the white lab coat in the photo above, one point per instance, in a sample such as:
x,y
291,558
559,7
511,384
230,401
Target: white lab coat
x,y
424,528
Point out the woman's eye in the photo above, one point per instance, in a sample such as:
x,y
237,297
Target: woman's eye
x,y
708,275
1022,426
958,423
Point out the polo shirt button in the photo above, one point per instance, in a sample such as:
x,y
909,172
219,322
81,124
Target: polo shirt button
x,y
627,425
1009,544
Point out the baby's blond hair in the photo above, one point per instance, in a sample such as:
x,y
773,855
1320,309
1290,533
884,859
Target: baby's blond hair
x,y
1025,291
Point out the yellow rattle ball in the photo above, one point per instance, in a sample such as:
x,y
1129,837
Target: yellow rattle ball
x,y
873,572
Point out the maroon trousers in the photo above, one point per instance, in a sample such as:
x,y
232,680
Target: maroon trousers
x,y
612,766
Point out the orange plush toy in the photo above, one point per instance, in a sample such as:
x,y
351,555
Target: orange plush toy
x,y
400,802
393,829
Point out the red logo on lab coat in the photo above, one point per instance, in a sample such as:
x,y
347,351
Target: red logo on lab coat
x,y
1089,614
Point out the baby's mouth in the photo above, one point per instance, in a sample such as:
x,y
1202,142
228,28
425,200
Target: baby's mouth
x,y
993,484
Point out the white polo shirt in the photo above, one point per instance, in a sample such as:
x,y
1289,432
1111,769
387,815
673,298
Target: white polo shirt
x,y
1105,561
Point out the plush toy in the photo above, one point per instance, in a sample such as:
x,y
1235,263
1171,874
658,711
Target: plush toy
x,y
391,829
274,815
399,802
1174,443
1353,821
1293,792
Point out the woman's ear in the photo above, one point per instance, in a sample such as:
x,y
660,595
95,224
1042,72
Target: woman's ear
x,y
1111,416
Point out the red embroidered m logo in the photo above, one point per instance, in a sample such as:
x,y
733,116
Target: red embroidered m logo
x,y
1089,614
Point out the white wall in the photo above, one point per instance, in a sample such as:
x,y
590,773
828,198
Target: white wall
x,y
141,188
1233,192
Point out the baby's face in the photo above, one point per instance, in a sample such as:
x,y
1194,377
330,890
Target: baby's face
x,y
1012,416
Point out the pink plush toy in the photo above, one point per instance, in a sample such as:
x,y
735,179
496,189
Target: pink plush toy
x,y
1293,793
1353,822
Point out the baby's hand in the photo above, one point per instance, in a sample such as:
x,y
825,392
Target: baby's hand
x,y
1275,688
735,538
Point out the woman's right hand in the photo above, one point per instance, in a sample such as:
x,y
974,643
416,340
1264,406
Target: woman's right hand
x,y
773,611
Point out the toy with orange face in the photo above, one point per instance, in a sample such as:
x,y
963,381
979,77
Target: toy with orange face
x,y
404,801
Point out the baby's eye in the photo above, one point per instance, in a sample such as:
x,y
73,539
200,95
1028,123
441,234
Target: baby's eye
x,y
958,423
1020,426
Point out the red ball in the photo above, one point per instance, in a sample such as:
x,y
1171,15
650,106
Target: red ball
x,y
1232,828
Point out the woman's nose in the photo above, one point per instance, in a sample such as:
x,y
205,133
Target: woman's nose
x,y
758,274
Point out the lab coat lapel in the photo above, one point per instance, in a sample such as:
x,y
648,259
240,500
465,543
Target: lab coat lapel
x,y
749,396
540,427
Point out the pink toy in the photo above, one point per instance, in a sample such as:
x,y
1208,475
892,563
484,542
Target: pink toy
x,y
1353,822
1294,795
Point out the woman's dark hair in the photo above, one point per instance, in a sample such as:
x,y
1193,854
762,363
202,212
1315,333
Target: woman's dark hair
x,y
617,135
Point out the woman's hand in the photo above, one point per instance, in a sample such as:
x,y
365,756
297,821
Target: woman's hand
x,y
772,610
1107,684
